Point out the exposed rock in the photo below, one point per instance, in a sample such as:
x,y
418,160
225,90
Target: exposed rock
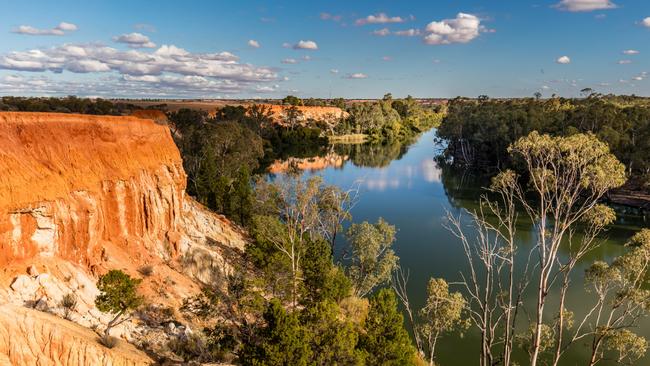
x,y
29,337
80,195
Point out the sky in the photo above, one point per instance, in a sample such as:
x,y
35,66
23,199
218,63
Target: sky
x,y
322,49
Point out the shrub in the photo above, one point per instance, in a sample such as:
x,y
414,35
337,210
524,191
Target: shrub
x,y
69,305
146,270
108,341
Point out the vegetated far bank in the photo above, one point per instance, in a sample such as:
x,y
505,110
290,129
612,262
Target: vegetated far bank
x,y
478,132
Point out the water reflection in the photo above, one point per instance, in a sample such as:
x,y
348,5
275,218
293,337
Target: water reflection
x,y
402,183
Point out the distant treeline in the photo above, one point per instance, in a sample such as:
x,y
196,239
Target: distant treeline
x,y
70,104
478,132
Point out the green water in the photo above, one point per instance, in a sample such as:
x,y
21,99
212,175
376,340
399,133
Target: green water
x,y
402,183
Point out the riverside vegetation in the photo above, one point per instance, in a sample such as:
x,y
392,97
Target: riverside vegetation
x,y
295,302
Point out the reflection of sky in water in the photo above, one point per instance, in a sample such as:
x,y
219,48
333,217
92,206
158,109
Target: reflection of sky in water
x,y
416,167
409,194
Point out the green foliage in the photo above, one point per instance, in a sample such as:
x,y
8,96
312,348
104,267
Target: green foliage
x,y
333,340
441,313
69,104
385,340
322,280
479,133
118,295
118,292
283,341
390,119
372,259
292,100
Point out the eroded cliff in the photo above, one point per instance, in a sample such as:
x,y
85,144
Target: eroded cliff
x,y
80,195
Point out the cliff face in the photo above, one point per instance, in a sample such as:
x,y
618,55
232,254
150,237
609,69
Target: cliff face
x,y
80,195
71,183
327,114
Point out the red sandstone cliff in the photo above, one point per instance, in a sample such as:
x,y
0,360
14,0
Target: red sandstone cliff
x,y
82,194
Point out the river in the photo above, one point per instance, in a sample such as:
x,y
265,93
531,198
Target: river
x,y
402,183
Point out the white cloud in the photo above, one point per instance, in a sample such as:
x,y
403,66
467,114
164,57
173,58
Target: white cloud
x,y
646,22
624,62
630,52
332,17
381,32
407,32
306,58
253,43
563,60
305,45
135,40
356,75
286,45
168,59
585,5
59,30
334,71
386,58
169,86
462,29
289,61
380,18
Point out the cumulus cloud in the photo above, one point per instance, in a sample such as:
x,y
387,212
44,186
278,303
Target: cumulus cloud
x,y
462,29
407,32
168,59
380,18
630,52
624,62
585,5
253,43
334,71
289,61
305,45
563,60
135,40
356,75
169,86
646,22
332,17
381,32
59,30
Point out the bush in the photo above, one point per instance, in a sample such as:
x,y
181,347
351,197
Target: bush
x,y
69,305
146,270
108,341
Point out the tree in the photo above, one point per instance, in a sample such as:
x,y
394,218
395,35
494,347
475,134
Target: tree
x,y
567,176
622,298
293,116
243,196
118,295
333,338
322,280
283,341
385,341
372,260
441,313
292,100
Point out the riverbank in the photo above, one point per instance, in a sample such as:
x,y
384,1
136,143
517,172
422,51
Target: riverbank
x,y
353,138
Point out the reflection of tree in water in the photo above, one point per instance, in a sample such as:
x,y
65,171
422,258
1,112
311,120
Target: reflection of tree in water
x,y
374,155
462,186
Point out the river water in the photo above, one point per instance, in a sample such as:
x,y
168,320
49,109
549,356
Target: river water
x,y
402,183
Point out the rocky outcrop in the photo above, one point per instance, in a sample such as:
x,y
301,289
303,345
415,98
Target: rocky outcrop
x,y
330,115
29,337
80,195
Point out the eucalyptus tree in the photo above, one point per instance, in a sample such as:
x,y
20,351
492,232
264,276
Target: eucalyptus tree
x,y
566,178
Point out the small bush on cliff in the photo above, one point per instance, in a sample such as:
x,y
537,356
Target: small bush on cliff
x,y
69,305
118,296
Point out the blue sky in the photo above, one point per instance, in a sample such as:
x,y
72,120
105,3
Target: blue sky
x,y
351,49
